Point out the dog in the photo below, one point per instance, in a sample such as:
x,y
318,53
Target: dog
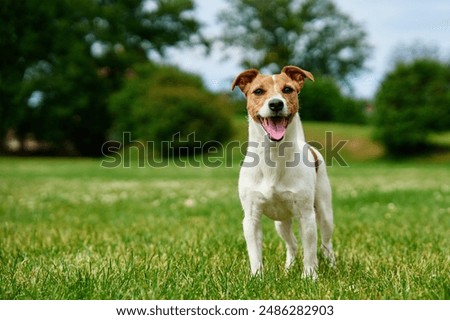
x,y
282,177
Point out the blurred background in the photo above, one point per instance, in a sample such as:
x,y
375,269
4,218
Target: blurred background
x,y
91,85
75,74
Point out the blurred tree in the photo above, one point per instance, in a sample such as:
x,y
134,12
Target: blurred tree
x,y
21,47
413,101
70,55
312,34
319,100
323,101
164,104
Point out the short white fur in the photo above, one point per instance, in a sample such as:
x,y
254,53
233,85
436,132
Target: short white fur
x,y
285,193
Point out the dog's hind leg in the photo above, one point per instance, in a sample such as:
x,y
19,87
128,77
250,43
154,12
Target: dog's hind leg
x,y
284,229
324,215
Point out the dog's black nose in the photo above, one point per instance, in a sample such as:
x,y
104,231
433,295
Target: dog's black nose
x,y
276,105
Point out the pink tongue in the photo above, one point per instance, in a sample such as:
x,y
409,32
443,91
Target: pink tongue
x,y
276,130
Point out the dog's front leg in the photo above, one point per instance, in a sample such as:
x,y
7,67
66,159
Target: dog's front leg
x,y
309,240
253,237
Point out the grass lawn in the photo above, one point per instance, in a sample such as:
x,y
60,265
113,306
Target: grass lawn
x,y
70,229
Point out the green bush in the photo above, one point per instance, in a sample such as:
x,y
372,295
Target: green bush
x,y
323,101
412,102
170,108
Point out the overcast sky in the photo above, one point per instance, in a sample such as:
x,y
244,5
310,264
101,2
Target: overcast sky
x,y
388,23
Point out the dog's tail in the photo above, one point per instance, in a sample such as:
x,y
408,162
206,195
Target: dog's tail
x,y
316,159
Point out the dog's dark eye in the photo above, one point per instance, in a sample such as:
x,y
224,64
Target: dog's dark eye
x,y
258,92
288,90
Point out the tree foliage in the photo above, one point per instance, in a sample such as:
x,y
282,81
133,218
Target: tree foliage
x,y
412,102
170,108
313,34
324,101
75,54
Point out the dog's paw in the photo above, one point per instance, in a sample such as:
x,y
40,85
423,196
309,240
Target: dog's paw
x,y
329,256
289,264
257,272
330,260
309,273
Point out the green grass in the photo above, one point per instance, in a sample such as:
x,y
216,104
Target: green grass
x,y
70,229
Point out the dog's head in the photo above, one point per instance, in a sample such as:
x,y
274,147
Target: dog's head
x,y
272,100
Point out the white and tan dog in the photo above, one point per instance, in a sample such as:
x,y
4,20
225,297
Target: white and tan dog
x,y
282,177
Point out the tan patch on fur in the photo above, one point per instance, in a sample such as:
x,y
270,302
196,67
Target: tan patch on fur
x,y
283,81
244,79
255,102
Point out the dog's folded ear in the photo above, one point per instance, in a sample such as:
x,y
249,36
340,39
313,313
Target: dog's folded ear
x,y
297,74
243,79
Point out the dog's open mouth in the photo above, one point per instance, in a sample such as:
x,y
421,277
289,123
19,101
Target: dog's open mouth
x,y
275,127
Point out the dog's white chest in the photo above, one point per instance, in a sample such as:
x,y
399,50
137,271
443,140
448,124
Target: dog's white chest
x,y
276,197
275,204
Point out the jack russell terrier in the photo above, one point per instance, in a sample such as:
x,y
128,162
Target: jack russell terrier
x,y
282,177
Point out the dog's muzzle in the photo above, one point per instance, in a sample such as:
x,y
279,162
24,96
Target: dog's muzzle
x,y
275,125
